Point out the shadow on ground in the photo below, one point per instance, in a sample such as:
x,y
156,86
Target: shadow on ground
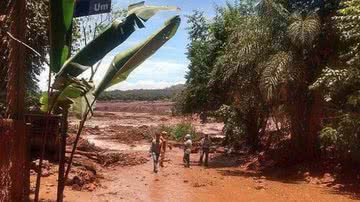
x,y
330,175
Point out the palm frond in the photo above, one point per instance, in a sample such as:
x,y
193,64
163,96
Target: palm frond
x,y
303,30
275,73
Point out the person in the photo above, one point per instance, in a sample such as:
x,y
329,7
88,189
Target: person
x,y
205,144
155,150
203,118
163,148
187,150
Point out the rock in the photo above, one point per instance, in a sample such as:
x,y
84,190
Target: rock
x,y
186,181
156,179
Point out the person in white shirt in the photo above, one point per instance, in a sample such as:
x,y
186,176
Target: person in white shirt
x,y
187,150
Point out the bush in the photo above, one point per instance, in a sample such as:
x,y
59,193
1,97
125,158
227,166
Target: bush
x,y
178,131
328,137
234,130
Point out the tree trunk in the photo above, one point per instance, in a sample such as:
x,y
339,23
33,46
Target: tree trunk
x,y
252,127
14,141
314,121
305,116
15,97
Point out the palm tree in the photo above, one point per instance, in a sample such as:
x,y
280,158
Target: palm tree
x,y
294,67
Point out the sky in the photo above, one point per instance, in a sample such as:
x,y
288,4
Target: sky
x,y
169,64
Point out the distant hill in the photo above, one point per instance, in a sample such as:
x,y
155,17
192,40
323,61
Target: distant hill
x,y
142,94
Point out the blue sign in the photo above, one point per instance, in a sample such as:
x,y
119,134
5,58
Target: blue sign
x,y
91,7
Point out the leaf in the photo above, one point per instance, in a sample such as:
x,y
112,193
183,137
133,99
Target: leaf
x,y
124,63
111,37
146,12
80,106
60,23
44,102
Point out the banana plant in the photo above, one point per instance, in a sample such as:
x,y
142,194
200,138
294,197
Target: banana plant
x,y
111,37
80,94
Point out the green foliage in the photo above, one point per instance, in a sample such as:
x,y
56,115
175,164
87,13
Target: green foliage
x,y
111,37
339,82
178,131
36,36
79,95
234,129
60,21
124,63
328,137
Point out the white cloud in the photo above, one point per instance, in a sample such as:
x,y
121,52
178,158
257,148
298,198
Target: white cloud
x,y
144,84
151,74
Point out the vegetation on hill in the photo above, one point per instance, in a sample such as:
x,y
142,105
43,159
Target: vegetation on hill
x,y
292,63
143,94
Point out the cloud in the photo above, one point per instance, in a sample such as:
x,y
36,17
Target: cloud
x,y
144,84
151,74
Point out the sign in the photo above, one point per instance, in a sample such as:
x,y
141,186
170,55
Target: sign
x,y
91,7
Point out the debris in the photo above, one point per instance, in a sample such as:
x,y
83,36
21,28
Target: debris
x,y
76,187
260,187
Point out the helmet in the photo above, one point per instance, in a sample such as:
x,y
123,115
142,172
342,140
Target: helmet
x,y
187,136
164,133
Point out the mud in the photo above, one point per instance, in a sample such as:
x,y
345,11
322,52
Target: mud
x,y
228,178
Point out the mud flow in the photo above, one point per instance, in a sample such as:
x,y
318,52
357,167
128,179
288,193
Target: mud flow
x,y
112,163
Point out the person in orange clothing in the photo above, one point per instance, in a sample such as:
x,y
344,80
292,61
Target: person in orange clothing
x,y
163,149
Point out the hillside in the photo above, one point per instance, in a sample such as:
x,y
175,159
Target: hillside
x,y
142,94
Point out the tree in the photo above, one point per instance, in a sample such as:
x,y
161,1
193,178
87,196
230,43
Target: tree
x,y
303,53
339,82
36,37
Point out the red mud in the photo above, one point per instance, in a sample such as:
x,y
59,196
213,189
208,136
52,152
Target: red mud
x,y
228,178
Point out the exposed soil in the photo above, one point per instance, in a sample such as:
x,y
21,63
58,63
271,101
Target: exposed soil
x,y
121,132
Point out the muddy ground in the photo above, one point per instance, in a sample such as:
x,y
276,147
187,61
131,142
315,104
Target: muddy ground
x,y
117,167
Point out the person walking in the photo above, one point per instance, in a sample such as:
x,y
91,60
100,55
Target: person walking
x,y
163,148
155,150
187,150
205,144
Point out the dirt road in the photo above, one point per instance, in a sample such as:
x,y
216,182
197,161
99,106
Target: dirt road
x,y
217,183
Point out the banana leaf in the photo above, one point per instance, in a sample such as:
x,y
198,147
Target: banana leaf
x,y
81,105
124,63
60,23
145,12
69,95
110,38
